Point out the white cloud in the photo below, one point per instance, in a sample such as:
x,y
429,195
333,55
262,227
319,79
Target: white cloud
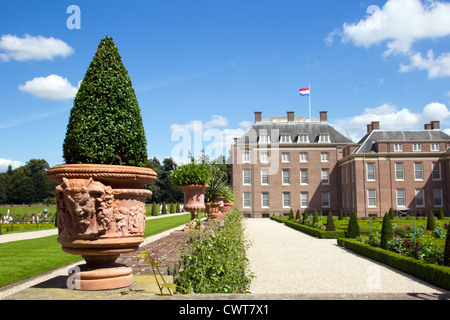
x,y
210,136
4,163
400,23
52,87
32,48
437,67
391,117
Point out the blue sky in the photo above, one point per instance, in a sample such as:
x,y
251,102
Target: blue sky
x,y
201,68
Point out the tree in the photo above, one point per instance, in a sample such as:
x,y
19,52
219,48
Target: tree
x,y
387,233
305,216
353,227
330,223
297,215
440,214
391,214
447,249
105,124
431,223
341,214
164,209
315,217
291,215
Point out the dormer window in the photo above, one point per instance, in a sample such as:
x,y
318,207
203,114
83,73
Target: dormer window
x,y
398,147
264,139
324,138
303,138
285,138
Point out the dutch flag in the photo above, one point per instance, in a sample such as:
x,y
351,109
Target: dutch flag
x,y
304,92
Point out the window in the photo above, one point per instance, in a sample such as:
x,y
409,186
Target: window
x,y
325,176
437,196
399,171
285,157
400,197
284,138
286,176
246,198
246,177
436,171
303,156
325,199
372,198
265,200
371,171
418,171
420,200
264,157
286,199
304,176
304,199
434,147
417,147
398,147
263,139
324,157
246,157
264,177
303,138
324,138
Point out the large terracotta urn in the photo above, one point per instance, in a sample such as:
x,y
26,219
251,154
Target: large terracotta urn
x,y
101,214
194,198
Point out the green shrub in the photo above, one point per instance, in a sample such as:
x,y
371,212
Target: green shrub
x,y
105,124
291,215
178,209
330,222
441,214
316,219
341,215
164,208
387,233
353,227
172,208
191,173
431,224
305,216
391,214
298,216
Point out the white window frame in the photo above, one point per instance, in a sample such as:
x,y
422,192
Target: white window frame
x,y
285,138
326,200
263,195
247,197
441,203
264,139
288,176
398,147
325,176
370,171
306,177
265,174
373,196
304,199
285,157
303,157
420,195
417,147
286,199
324,157
418,172
434,147
397,178
303,138
324,138
244,177
400,197
264,157
246,157
433,171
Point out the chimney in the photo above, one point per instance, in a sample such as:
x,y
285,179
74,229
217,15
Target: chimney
x,y
290,116
427,126
375,125
258,116
323,116
369,128
435,125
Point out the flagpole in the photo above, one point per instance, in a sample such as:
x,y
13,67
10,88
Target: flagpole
x,y
309,101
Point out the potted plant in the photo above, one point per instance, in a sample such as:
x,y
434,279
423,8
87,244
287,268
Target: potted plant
x,y
193,179
101,195
219,195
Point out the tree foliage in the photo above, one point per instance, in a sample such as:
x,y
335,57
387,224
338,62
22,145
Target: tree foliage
x,y
387,232
105,124
353,227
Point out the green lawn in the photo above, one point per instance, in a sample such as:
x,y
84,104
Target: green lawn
x,y
23,259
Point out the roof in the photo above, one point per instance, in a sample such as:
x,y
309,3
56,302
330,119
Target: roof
x,y
367,143
312,129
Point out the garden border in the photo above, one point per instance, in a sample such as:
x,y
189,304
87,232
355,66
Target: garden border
x,y
310,230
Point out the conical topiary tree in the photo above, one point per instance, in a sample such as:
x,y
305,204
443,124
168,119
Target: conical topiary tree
x,y
341,215
291,215
298,215
330,223
105,124
387,233
440,214
316,217
431,223
164,208
391,214
353,227
178,210
305,216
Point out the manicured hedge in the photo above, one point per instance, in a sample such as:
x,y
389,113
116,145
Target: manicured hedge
x,y
309,230
432,273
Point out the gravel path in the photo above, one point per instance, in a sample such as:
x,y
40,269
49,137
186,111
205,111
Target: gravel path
x,y
287,261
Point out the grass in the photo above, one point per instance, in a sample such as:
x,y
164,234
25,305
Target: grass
x,y
23,259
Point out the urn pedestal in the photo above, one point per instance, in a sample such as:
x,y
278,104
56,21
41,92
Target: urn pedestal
x,y
101,214
194,198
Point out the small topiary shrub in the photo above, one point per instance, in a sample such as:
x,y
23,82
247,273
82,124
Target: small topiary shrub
x,y
316,217
105,124
387,233
191,174
441,214
431,223
341,215
330,223
353,227
305,216
291,215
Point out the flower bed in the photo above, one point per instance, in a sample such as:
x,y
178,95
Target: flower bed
x,y
313,231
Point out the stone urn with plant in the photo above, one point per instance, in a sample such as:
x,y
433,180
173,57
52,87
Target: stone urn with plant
x,y
101,195
193,179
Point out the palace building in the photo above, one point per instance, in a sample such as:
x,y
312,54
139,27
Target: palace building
x,y
305,163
